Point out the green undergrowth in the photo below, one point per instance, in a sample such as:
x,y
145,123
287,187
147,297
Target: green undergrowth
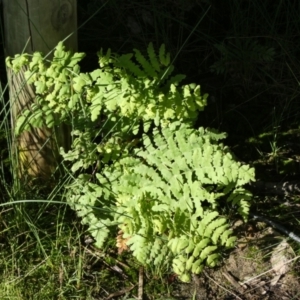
x,y
250,68
47,254
49,259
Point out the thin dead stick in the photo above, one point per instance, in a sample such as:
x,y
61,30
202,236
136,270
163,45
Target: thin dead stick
x,y
259,285
295,258
232,280
223,288
119,293
103,255
114,268
141,283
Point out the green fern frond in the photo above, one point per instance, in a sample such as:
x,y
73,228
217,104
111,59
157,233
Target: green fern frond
x,y
126,62
164,180
164,57
153,58
149,69
242,55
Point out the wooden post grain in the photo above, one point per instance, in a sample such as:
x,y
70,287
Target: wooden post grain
x,y
30,26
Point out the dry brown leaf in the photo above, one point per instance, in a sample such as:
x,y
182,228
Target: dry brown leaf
x,y
121,242
279,260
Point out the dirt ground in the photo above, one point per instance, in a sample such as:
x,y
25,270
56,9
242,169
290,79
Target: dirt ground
x,y
263,266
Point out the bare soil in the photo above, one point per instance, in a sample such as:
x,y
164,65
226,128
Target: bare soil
x,y
263,266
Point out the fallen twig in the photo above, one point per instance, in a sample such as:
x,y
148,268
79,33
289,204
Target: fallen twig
x,y
141,284
119,293
220,286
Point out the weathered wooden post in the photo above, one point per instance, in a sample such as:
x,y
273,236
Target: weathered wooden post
x,y
29,26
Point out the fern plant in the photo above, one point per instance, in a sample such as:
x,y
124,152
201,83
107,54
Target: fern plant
x,y
242,57
127,91
165,192
167,197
